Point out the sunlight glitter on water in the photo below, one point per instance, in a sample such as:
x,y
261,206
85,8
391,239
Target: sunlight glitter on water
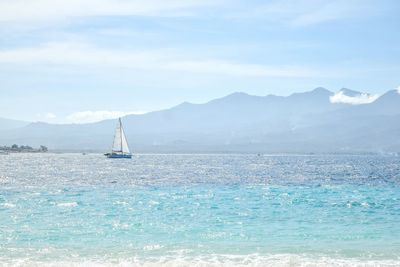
x,y
180,210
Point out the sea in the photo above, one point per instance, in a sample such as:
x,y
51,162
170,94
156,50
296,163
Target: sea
x,y
199,210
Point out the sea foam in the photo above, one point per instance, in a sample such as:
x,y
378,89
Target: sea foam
x,y
282,260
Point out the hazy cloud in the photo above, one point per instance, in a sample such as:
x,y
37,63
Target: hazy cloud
x,y
362,98
239,69
73,54
304,12
330,10
297,13
94,116
50,116
42,10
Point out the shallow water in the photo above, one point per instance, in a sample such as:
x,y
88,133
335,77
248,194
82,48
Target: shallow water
x,y
199,210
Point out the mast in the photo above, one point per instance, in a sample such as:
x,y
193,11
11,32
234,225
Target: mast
x,y
120,133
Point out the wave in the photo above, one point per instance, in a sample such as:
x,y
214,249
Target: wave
x,y
214,261
67,204
8,205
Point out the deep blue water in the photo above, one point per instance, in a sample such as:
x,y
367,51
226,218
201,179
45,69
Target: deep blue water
x,y
199,210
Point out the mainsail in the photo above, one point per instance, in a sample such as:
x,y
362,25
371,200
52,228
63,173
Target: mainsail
x,y
120,144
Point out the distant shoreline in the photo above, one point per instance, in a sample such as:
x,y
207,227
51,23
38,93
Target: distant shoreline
x,y
22,152
218,153
23,149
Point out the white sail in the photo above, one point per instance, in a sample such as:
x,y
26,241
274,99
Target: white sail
x,y
124,143
120,144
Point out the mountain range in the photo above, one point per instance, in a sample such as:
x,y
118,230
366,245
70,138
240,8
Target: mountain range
x,y
309,122
6,124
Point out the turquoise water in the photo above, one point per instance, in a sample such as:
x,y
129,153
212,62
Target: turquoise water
x,y
199,210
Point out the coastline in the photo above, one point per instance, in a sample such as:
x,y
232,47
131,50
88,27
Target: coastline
x,y
254,260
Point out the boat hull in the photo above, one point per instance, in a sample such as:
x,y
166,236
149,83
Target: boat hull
x,y
118,156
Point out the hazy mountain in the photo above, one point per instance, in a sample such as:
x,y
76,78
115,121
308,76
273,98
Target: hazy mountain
x,y
7,124
301,122
234,112
349,92
387,104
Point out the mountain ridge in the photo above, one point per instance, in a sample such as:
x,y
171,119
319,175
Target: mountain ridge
x,y
300,122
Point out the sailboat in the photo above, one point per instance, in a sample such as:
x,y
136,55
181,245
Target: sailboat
x,y
120,148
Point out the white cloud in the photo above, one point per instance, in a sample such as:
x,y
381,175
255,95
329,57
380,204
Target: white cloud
x,y
294,13
94,116
76,54
50,116
42,10
239,69
362,98
327,11
301,13
398,89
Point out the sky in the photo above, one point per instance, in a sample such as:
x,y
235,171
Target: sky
x,y
76,61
